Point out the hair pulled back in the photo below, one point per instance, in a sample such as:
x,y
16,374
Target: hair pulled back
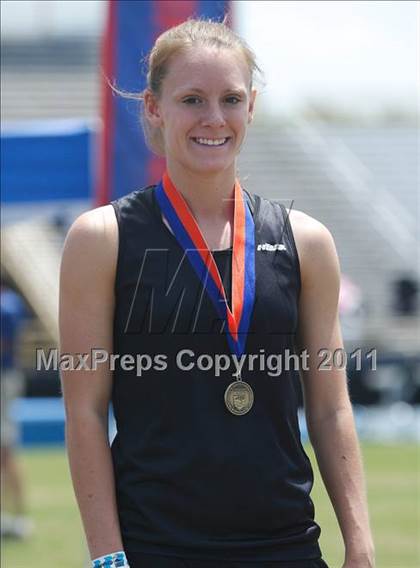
x,y
191,33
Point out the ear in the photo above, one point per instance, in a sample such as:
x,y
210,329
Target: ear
x,y
251,105
151,109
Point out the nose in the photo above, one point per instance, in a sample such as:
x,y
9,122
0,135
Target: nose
x,y
214,117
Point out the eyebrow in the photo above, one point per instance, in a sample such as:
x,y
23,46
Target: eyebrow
x,y
201,92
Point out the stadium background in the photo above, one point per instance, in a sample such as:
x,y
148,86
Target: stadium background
x,y
354,167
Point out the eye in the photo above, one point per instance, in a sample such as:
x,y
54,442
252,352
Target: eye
x,y
233,99
192,100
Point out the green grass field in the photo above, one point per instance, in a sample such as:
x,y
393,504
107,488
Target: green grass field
x,y
393,474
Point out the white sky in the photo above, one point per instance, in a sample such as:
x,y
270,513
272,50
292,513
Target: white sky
x,y
358,54
361,54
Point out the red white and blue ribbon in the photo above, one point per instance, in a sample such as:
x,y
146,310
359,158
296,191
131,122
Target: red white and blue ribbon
x,y
189,236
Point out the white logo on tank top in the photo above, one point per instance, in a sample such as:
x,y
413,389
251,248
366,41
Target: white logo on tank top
x,y
271,248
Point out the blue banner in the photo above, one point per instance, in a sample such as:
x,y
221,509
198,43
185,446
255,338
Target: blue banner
x,y
46,161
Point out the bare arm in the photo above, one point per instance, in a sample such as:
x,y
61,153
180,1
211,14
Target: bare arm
x,y
328,408
85,320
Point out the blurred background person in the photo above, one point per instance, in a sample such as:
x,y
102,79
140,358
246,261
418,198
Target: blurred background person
x,y
14,521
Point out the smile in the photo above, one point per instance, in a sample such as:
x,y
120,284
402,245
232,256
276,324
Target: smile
x,y
210,141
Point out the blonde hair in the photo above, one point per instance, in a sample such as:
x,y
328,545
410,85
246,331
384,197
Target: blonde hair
x,y
190,33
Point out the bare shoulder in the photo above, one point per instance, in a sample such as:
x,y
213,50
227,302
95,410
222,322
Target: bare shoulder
x,y
95,230
307,229
91,245
95,223
314,242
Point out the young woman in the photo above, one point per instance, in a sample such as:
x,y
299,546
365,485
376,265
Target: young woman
x,y
194,284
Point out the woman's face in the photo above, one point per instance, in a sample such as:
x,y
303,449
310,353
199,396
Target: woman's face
x,y
204,109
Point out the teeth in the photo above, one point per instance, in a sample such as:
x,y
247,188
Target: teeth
x,y
209,142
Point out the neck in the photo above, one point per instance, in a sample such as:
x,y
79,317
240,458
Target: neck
x,y
207,196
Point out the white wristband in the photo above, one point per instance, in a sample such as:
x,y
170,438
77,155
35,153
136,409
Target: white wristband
x,y
112,560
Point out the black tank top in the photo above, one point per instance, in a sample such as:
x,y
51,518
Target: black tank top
x,y
193,479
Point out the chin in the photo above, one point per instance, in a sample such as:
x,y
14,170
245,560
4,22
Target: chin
x,y
210,166
210,170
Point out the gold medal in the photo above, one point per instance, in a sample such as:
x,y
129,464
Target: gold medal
x,y
239,397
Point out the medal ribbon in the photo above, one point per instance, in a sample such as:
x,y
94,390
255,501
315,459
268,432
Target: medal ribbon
x,y
191,239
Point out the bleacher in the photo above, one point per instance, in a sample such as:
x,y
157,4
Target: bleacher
x,y
51,78
375,233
